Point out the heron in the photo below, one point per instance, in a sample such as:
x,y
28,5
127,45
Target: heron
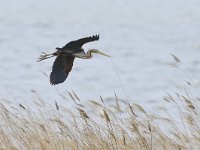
x,y
65,57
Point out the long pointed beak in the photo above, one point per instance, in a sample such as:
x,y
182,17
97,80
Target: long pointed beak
x,y
101,53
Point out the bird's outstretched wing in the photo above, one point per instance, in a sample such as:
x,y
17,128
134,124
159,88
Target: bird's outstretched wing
x,y
61,68
80,42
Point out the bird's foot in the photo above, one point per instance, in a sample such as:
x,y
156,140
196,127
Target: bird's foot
x,y
44,56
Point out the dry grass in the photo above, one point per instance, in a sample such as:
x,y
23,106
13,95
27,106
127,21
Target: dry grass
x,y
97,125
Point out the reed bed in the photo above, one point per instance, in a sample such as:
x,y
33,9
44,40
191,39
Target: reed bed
x,y
100,124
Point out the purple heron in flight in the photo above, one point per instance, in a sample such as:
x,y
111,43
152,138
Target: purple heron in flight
x,y
65,57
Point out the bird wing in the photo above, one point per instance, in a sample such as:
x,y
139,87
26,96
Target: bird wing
x,y
80,42
61,68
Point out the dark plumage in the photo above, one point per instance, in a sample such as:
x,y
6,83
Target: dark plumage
x,y
64,61
76,46
61,68
65,58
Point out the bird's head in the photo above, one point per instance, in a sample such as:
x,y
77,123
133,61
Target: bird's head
x,y
99,52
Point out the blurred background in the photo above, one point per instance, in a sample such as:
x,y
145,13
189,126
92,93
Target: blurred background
x,y
139,35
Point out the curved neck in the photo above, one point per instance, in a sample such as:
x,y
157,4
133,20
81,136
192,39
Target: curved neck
x,y
89,54
84,55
